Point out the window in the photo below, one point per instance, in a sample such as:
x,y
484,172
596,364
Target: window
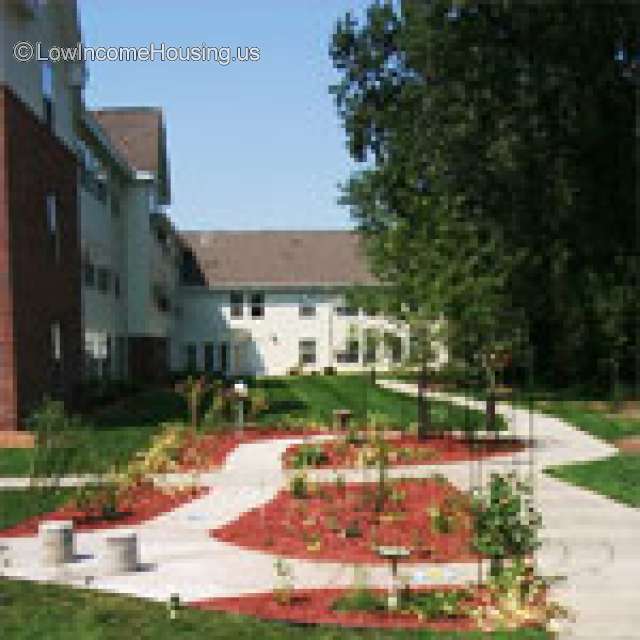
x,y
57,378
208,357
257,305
191,357
104,279
47,92
307,308
115,205
52,224
396,349
56,342
371,347
351,354
89,274
346,311
116,285
307,351
237,304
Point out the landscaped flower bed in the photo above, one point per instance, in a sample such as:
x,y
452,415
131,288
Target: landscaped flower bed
x,y
401,450
439,609
132,506
348,522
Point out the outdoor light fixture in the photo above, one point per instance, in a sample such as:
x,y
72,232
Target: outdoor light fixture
x,y
241,392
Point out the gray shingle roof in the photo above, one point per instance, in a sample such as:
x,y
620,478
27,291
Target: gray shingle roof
x,y
278,258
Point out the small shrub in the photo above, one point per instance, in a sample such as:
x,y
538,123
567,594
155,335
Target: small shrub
x,y
309,456
434,605
329,371
353,530
299,486
360,599
506,524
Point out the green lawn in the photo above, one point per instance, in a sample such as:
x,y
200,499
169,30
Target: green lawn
x,y
112,435
598,421
20,504
616,477
315,397
61,613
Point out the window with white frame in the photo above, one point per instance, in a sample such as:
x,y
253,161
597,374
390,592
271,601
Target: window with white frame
x,y
351,353
307,308
191,357
53,223
48,92
370,346
307,351
346,311
89,270
104,279
257,305
396,349
236,301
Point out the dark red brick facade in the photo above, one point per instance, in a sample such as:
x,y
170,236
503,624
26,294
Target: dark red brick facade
x,y
36,289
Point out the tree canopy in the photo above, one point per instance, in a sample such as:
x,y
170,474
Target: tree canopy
x,y
499,167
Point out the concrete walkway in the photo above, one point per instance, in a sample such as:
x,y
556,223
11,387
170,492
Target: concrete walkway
x,y
588,538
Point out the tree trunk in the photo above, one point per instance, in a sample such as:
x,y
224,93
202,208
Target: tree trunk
x,y
491,403
423,404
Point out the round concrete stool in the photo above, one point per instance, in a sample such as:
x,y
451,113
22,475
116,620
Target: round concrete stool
x,y
56,540
120,552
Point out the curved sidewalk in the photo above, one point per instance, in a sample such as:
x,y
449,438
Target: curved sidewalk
x,y
590,539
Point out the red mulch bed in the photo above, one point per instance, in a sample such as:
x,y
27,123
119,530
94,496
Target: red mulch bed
x,y
340,523
211,450
313,606
137,505
408,450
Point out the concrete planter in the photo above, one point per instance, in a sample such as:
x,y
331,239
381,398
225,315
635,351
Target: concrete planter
x,y
120,552
56,540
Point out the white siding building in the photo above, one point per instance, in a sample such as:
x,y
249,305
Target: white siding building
x,y
267,302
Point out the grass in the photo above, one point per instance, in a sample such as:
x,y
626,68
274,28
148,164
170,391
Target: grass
x,y
615,477
62,613
314,398
115,433
592,416
112,435
19,504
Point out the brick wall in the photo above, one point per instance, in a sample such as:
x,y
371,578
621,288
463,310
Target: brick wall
x,y
36,289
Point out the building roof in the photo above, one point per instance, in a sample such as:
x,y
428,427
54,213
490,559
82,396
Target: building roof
x,y
135,132
277,258
138,134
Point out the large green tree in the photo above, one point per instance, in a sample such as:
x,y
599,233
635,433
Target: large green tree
x,y
498,148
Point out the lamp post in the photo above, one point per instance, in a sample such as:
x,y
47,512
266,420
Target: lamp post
x,y
241,392
394,555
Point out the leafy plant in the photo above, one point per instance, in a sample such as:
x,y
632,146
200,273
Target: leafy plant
x,y
309,455
436,604
299,486
506,524
360,599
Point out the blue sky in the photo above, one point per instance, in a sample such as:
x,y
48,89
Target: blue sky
x,y
252,145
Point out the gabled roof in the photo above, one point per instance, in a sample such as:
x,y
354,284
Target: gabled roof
x,y
138,133
229,259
